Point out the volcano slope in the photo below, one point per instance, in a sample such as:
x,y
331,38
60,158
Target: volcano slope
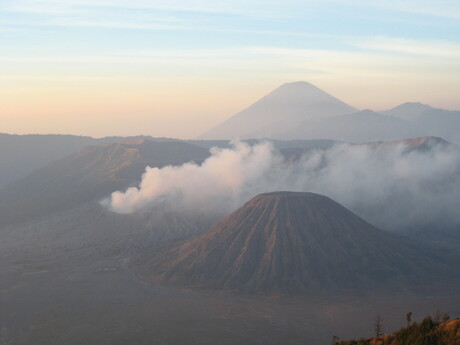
x,y
88,176
295,243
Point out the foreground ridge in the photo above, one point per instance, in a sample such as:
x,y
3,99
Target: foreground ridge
x,y
427,332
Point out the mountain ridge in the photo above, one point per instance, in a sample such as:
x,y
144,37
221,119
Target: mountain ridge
x,y
301,110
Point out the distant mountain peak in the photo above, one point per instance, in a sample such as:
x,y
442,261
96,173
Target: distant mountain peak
x,y
278,111
414,106
298,84
409,110
295,94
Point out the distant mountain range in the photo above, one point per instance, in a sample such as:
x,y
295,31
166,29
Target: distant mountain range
x,y
302,111
22,154
286,242
295,115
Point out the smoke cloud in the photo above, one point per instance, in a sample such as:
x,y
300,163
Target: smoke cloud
x,y
390,185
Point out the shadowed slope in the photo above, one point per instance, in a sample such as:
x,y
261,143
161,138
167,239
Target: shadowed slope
x,y
89,175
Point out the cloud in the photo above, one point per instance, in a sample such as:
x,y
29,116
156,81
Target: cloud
x,y
268,9
333,61
441,8
444,49
389,185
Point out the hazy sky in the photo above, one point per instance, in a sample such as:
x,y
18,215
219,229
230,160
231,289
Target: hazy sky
x,y
176,68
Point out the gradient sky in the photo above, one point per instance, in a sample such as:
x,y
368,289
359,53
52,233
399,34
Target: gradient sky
x,y
176,68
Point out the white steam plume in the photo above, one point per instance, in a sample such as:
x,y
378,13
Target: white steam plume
x,y
391,186
222,181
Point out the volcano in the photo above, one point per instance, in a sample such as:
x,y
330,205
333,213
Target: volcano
x,y
279,111
289,242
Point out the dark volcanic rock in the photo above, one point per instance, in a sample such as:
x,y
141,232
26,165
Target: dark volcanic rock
x,y
293,243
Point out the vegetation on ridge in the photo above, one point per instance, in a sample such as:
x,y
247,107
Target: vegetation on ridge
x,y
427,332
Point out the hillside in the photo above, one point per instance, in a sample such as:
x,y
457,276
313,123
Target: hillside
x,y
426,332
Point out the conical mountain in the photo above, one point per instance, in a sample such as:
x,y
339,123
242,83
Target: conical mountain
x,y
293,243
279,111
